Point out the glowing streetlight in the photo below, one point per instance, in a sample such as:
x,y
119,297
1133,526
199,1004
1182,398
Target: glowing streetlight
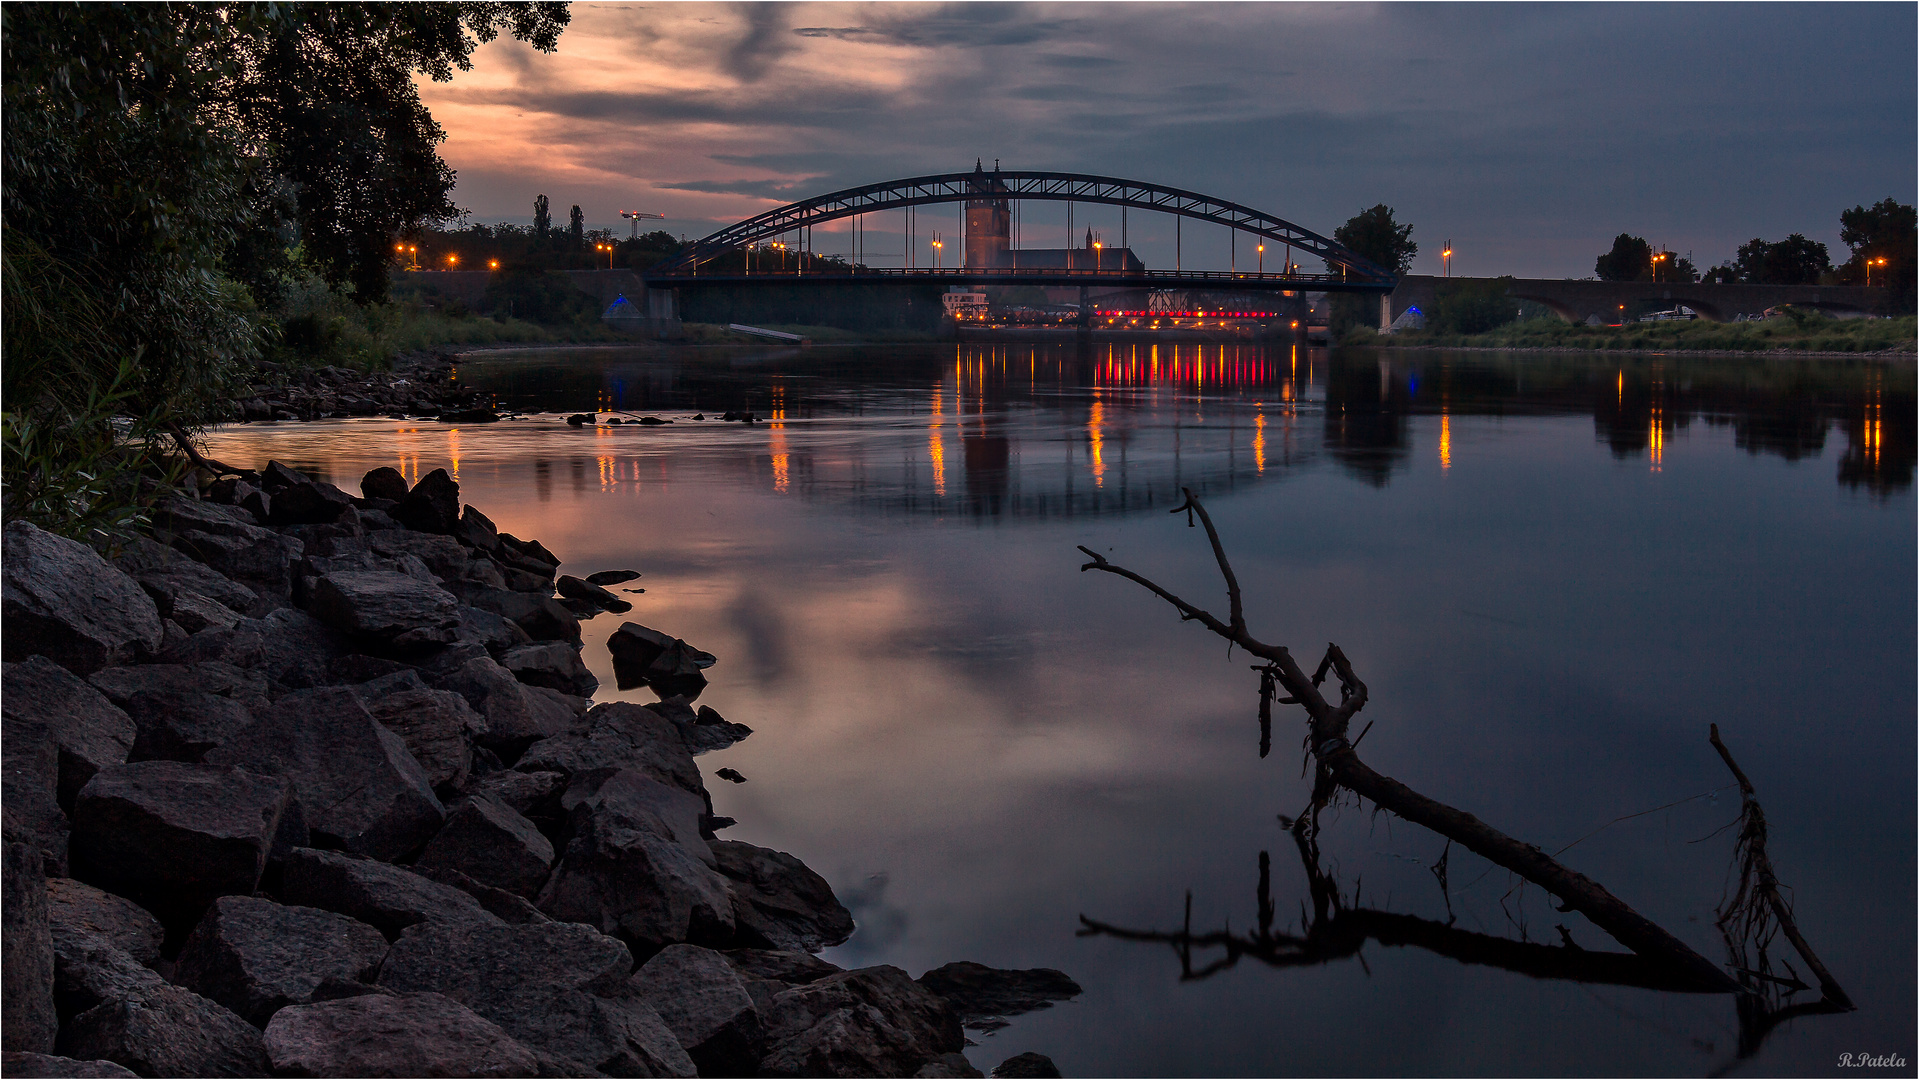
x,y
1262,258
1098,262
1656,260
1870,263
413,252
452,261
493,264
938,246
1447,256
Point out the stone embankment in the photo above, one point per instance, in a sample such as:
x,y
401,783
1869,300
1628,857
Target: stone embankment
x,y
310,784
420,384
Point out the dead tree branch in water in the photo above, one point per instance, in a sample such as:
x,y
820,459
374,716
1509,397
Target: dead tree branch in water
x,y
1339,766
1748,920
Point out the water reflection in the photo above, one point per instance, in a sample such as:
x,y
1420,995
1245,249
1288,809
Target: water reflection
x,y
1117,428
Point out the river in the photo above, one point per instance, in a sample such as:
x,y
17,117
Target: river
x,y
1552,571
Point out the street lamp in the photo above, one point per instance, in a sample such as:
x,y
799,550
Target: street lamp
x,y
1098,262
937,246
413,252
493,264
1869,265
452,261
1446,256
1262,258
1656,260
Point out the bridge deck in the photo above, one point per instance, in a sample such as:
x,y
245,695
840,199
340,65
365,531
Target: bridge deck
x,y
1212,280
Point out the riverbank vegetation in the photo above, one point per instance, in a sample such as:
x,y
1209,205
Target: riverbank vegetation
x,y
175,181
1796,331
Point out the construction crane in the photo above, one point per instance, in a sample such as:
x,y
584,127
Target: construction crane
x,y
636,216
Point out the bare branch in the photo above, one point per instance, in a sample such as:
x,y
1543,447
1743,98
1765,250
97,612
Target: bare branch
x,y
1237,612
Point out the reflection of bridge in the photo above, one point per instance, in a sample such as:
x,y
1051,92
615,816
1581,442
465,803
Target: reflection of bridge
x,y
988,261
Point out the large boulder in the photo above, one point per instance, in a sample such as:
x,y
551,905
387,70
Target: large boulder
x,y
1028,1064
705,1002
552,664
90,971
780,903
872,1022
166,1031
557,987
788,966
384,482
644,656
262,559
514,717
443,556
395,611
432,506
492,843
256,957
74,907
27,1019
181,578
297,648
178,514
976,992
627,873
122,684
61,600
542,617
359,785
30,810
20,1063
88,732
618,735
173,836
183,725
423,1034
242,646
438,727
311,503
385,897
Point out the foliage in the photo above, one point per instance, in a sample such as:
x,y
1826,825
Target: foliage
x,y
540,296
1629,260
81,469
1792,261
1471,307
1886,230
1374,234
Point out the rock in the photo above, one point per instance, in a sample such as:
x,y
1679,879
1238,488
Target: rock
x,y
27,1018
778,903
611,577
710,731
704,1001
633,790
278,476
183,725
581,420
178,514
242,647
436,725
497,633
582,610
1028,1064
512,909
122,685
60,600
74,907
618,735
625,873
387,898
524,791
668,665
780,965
90,971
194,613
30,811
25,1064
167,1031
976,991
492,843
514,718
585,590
948,1065
264,561
359,784
557,987
872,1022
358,669
477,530
443,555
731,776
432,506
542,617
555,665
298,648
179,575
573,705
395,610
88,732
311,503
173,837
423,1034
256,957
384,483
469,416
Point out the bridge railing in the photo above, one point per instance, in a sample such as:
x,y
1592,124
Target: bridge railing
x,y
1025,275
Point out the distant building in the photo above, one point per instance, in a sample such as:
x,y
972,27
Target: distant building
x,y
989,232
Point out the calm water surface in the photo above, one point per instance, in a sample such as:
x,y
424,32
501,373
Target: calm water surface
x,y
1552,573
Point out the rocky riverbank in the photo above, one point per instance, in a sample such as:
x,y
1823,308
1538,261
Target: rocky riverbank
x,y
310,784
420,384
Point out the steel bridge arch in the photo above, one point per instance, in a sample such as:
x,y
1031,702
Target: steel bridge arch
x,y
1037,186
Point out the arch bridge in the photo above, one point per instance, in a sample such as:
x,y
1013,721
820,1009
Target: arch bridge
x,y
987,193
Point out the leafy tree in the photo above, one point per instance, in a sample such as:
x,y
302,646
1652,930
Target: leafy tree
x,y
1886,230
1629,260
576,229
1374,234
542,217
1792,261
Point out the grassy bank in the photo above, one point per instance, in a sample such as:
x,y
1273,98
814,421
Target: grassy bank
x,y
1809,333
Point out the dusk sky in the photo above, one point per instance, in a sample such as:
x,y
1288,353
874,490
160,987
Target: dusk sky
x,y
1528,135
